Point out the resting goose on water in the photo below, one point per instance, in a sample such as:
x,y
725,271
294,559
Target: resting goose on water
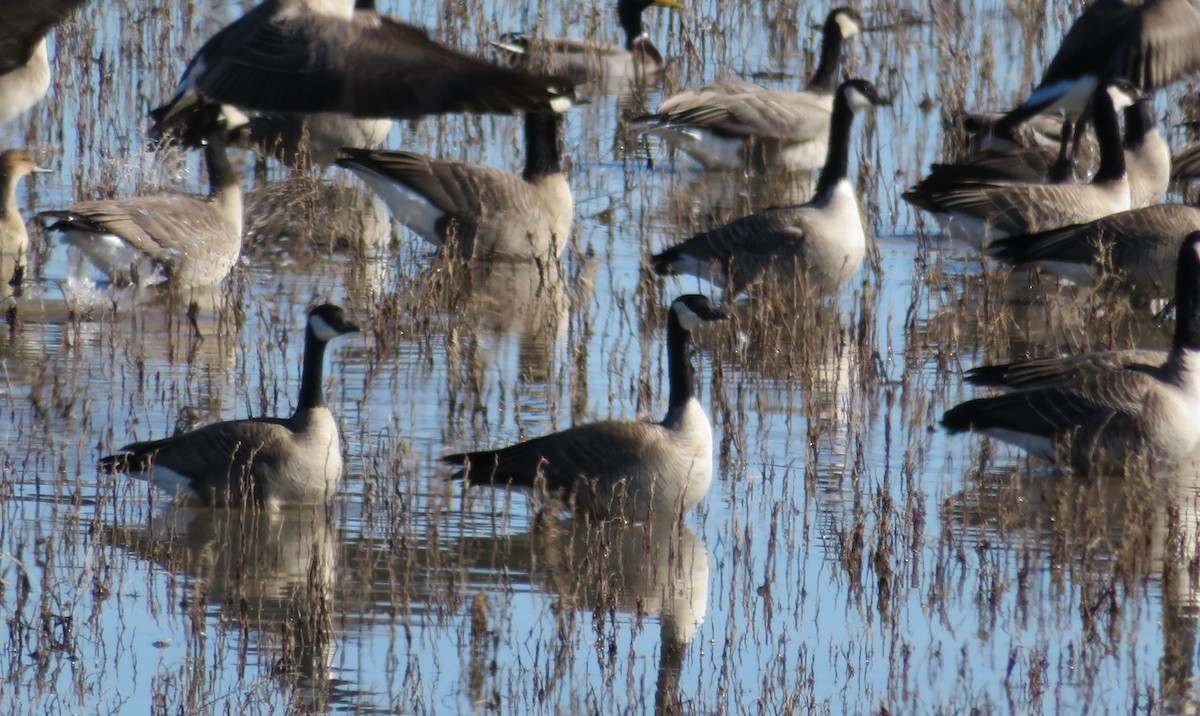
x,y
478,211
259,462
312,56
1102,411
581,60
734,124
822,240
188,241
986,210
620,468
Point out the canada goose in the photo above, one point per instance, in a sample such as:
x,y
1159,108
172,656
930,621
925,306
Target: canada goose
x,y
984,210
1101,419
314,56
620,468
186,240
24,62
1140,246
1150,43
587,59
14,239
266,462
479,211
1147,161
824,235
732,124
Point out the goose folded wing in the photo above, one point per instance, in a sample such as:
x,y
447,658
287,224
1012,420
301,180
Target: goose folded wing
x,y
159,226
1042,372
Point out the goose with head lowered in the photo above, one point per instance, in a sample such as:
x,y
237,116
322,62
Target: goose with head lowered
x,y
314,56
822,240
981,211
24,61
1103,418
477,211
258,462
734,124
14,237
187,241
1138,247
620,468
588,60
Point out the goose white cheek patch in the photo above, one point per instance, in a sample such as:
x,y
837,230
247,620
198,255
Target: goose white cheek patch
x,y
321,329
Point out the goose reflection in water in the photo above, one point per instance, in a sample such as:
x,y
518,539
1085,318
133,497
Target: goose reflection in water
x,y
269,573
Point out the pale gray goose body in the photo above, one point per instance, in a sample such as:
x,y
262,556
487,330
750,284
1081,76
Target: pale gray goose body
x,y
735,124
620,468
24,62
188,241
1139,246
822,241
596,61
258,462
1107,420
982,211
312,56
478,211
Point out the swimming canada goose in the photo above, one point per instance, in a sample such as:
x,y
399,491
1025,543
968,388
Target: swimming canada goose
x,y
1140,246
985,210
1149,43
620,468
478,211
186,240
265,462
734,124
1102,419
581,60
14,238
314,56
24,62
1147,161
823,238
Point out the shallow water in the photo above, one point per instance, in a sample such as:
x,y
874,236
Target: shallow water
x,y
849,557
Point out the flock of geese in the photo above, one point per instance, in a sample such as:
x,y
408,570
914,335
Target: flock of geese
x,y
320,81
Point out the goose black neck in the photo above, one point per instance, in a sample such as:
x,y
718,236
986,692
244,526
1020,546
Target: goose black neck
x,y
1187,297
312,376
1108,134
542,155
829,68
1139,121
837,157
221,174
679,364
630,17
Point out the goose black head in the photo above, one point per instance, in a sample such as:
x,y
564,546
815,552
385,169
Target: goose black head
x,y
694,309
861,94
328,321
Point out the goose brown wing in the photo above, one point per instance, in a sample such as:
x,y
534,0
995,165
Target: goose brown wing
x,y
1053,410
1043,372
159,226
791,116
25,23
594,450
370,66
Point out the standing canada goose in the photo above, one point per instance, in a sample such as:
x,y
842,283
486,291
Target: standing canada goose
x,y
186,240
823,239
985,210
264,462
1140,246
24,62
1147,161
479,211
1102,419
1149,43
14,238
582,60
733,124
620,468
314,56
